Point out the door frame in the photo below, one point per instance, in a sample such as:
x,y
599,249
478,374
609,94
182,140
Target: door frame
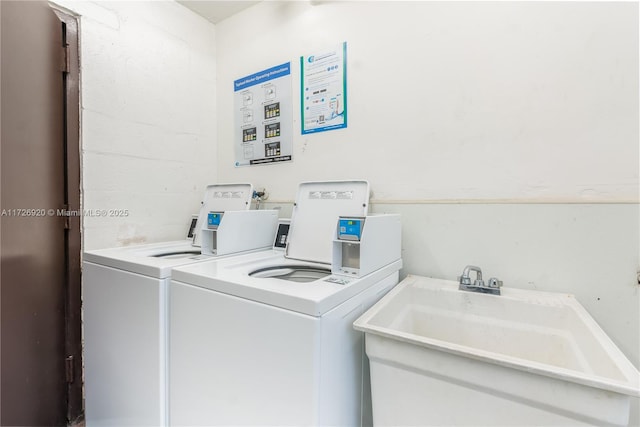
x,y
73,237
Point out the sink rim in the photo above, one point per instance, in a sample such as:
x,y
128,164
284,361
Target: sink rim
x,y
629,387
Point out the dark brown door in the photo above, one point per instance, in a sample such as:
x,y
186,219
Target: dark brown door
x,y
35,271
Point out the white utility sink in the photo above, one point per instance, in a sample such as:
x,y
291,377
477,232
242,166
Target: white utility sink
x,y
442,356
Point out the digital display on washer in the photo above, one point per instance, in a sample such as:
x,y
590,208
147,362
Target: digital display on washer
x,y
350,228
281,236
192,227
213,219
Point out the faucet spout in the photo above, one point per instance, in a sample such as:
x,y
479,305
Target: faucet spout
x,y
478,285
467,270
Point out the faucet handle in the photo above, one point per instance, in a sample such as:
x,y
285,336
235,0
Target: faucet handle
x,y
494,283
464,280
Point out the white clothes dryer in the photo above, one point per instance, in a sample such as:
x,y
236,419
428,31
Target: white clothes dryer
x,y
125,323
269,341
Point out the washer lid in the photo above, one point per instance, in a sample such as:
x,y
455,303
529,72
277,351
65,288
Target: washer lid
x,y
315,216
222,197
149,260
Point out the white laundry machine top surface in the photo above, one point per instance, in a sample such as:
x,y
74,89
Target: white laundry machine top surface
x,y
314,220
231,276
155,260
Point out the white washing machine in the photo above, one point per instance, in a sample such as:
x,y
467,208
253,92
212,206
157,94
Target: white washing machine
x,y
125,309
269,341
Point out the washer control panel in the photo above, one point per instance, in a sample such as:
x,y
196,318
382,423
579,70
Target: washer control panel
x,y
213,220
350,228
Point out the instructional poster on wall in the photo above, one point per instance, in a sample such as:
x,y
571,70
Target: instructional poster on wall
x,y
263,117
323,86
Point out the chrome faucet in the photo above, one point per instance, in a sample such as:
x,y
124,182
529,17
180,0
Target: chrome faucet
x,y
492,287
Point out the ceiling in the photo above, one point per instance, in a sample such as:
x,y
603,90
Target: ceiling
x,y
214,10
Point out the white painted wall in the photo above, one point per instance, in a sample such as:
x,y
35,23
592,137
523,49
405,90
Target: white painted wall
x,y
456,106
504,100
148,84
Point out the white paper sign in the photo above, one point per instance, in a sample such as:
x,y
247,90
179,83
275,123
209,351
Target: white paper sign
x,y
263,117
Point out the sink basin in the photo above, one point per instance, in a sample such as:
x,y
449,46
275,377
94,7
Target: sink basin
x,y
443,356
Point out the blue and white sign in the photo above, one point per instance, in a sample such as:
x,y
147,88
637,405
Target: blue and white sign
x,y
263,117
323,87
262,76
